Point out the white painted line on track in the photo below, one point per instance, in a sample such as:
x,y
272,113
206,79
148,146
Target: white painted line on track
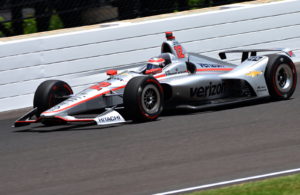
x,y
229,182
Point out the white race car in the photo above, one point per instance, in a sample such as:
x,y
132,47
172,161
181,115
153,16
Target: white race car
x,y
173,79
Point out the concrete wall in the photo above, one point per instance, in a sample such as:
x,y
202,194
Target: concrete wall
x,y
78,57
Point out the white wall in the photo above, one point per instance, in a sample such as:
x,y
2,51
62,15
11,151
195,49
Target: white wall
x,y
77,57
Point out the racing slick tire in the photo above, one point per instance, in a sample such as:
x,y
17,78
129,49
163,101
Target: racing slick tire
x,y
50,93
281,77
143,99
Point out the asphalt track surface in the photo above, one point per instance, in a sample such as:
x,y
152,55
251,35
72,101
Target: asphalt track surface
x,y
177,151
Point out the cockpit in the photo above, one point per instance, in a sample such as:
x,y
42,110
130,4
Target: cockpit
x,y
156,64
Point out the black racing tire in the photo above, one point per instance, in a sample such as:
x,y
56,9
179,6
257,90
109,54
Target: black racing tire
x,y
143,99
281,77
47,94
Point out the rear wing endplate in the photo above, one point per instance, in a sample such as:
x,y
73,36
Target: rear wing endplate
x,y
253,52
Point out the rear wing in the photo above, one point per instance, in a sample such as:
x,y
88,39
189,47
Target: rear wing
x,y
253,52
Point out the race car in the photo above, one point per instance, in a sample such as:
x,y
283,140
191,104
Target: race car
x,y
175,79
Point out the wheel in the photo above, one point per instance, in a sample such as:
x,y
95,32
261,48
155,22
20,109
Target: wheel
x,y
50,93
281,77
143,99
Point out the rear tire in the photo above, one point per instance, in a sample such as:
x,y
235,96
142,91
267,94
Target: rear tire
x,y
143,99
281,77
48,95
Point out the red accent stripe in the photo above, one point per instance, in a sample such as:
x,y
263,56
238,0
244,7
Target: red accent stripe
x,y
75,120
117,88
156,60
160,76
214,69
153,71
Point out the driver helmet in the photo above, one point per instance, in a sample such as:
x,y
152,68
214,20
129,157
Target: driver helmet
x,y
154,63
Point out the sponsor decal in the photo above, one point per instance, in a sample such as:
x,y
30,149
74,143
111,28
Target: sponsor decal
x,y
179,51
176,42
110,117
254,58
211,66
261,89
207,91
168,73
96,87
254,73
116,78
99,86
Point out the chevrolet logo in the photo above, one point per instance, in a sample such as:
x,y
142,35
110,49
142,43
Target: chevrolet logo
x,y
253,73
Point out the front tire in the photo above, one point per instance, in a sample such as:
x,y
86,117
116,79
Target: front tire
x,y
50,93
143,99
281,77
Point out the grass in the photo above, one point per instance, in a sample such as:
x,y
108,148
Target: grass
x,y
29,24
286,185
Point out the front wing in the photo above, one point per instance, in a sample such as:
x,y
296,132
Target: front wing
x,y
110,116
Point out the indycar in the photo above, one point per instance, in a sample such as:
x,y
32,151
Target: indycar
x,y
175,79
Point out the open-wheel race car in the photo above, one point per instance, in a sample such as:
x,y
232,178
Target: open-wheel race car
x,y
174,79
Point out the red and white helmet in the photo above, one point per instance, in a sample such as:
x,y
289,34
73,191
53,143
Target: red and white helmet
x,y
155,63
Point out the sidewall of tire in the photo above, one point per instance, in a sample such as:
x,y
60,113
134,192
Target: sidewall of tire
x,y
43,92
133,96
275,61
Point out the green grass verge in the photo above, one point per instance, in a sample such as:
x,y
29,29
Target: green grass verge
x,y
29,25
286,185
